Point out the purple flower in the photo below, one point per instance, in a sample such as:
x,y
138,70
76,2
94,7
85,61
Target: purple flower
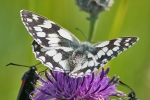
x,y
60,86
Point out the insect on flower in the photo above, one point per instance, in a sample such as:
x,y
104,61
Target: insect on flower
x,y
29,80
61,51
131,95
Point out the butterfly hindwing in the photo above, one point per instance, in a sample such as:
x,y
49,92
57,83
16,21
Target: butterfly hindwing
x,y
55,59
47,33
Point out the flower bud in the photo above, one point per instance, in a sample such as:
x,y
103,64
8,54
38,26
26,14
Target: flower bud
x,y
94,7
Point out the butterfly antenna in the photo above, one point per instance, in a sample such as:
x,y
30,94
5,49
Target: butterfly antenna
x,y
21,65
82,33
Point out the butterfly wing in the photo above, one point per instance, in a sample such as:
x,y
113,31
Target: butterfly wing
x,y
101,54
52,44
47,33
105,51
55,59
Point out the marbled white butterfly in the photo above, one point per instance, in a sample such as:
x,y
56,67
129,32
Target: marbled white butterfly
x,y
61,51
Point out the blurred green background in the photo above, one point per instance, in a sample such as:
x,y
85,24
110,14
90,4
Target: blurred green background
x,y
125,18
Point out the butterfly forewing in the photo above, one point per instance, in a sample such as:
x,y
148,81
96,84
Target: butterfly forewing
x,y
47,33
107,50
61,51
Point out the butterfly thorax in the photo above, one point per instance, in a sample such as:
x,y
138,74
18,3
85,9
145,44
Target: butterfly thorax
x,y
80,55
86,46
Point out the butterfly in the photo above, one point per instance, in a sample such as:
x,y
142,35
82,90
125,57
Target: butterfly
x,y
60,50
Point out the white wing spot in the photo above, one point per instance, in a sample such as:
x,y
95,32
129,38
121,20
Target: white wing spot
x,y
49,65
103,44
41,34
29,20
37,53
46,24
91,63
137,39
35,17
96,57
53,40
115,49
102,65
57,57
65,64
54,45
127,40
65,34
109,53
88,72
117,42
42,58
85,65
104,60
37,28
95,69
127,44
96,63
105,49
80,74
89,55
66,49
53,35
58,69
100,53
51,52
43,49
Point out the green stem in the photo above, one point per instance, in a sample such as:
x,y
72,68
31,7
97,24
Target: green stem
x,y
92,20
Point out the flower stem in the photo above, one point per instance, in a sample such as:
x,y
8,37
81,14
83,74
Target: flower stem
x,y
92,20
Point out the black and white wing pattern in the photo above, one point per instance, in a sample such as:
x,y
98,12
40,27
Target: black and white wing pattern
x,y
55,59
101,54
52,43
47,33
61,51
108,50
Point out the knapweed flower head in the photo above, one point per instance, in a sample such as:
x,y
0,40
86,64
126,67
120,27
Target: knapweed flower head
x,y
94,7
60,86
